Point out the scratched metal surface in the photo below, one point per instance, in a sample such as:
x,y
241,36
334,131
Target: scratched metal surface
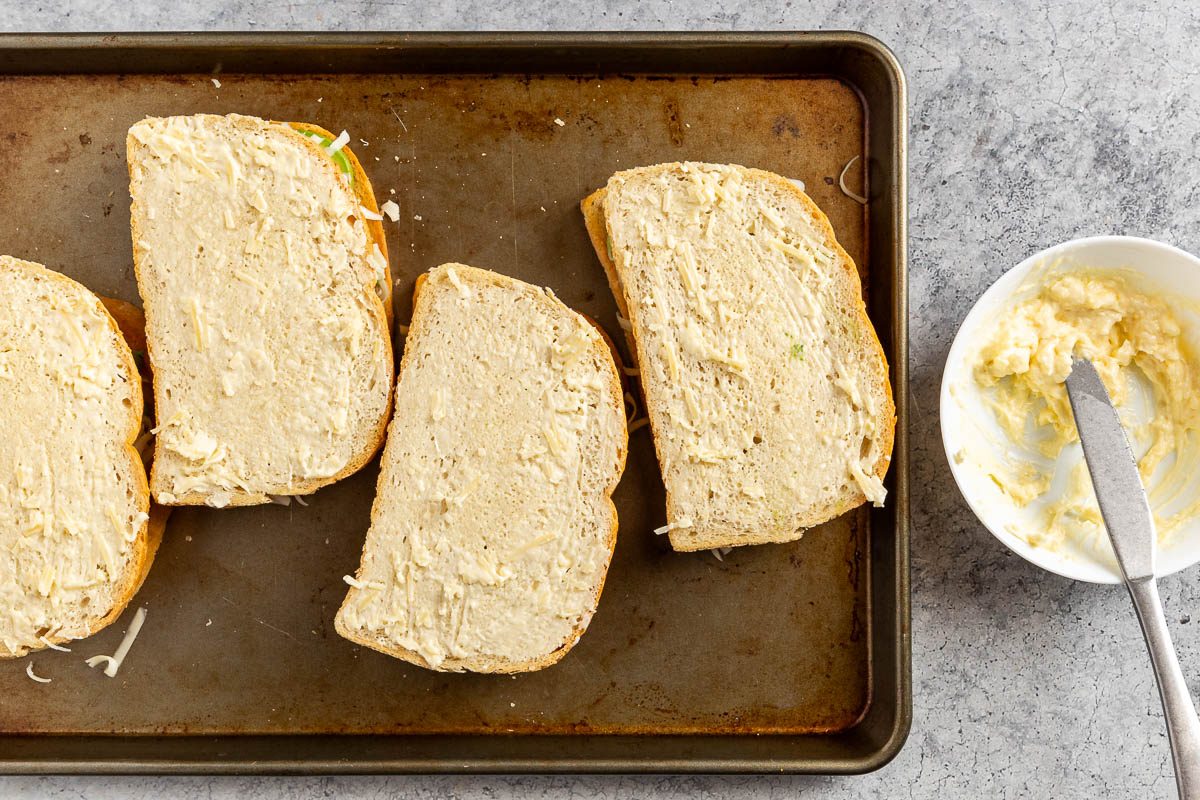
x,y
239,636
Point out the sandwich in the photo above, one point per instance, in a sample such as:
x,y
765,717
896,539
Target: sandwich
x,y
77,529
493,524
764,382
267,291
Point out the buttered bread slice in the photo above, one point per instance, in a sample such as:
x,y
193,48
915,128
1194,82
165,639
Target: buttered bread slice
x,y
75,533
765,384
265,283
493,524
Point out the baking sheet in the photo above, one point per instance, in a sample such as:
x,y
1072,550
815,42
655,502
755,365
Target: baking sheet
x,y
488,169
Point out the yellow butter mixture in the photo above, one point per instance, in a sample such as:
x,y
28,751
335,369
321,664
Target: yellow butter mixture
x,y
1136,340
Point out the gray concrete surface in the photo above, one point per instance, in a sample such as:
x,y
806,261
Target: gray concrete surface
x,y
1030,123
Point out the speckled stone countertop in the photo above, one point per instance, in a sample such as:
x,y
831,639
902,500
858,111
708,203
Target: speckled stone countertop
x,y
1031,123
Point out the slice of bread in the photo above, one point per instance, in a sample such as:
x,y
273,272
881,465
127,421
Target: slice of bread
x,y
493,523
765,384
264,293
76,537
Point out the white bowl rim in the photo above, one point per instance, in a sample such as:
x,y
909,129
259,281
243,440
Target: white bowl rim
x,y
1089,572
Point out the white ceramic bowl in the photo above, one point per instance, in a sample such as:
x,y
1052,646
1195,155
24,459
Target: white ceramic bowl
x,y
968,425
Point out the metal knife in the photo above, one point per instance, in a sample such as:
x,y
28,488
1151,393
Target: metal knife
x,y
1130,525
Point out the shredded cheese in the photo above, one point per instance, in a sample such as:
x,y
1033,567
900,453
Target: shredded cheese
x,y
673,526
463,289
95,660
113,662
54,646
243,276
116,522
792,251
337,144
392,210
106,552
197,330
32,676
538,542
631,406
858,198
872,488
357,584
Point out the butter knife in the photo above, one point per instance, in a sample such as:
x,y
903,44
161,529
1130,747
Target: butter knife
x,y
1130,525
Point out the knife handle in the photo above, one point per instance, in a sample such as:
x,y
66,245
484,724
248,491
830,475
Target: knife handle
x,y
1183,728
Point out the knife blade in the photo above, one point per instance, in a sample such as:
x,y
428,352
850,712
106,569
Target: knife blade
x,y
1114,472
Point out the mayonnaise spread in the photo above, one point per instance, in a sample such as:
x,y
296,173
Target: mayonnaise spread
x,y
1135,338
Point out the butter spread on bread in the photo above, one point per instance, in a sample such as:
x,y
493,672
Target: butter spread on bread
x,y
75,533
765,383
266,295
493,524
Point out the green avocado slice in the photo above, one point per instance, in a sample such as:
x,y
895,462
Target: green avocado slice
x,y
340,160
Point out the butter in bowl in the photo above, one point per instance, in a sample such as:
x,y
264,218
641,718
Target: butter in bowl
x,y
1131,306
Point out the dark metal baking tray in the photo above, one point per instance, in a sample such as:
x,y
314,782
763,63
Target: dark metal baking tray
x,y
782,658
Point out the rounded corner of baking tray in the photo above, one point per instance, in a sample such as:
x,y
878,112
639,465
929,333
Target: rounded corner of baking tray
x,y
876,49
892,745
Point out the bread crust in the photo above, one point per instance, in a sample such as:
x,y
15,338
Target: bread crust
x,y
472,275
594,214
380,310
145,544
131,321
592,207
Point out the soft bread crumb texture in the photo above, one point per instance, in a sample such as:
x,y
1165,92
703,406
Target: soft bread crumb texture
x,y
377,256
268,340
73,497
493,524
766,386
